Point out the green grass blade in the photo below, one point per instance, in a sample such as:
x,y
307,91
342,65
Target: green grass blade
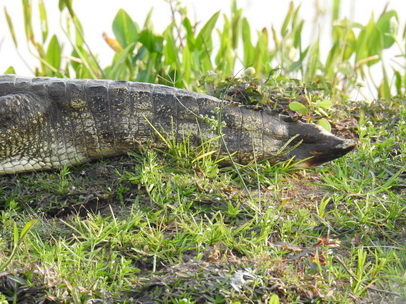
x,y
43,20
336,10
314,61
15,234
27,11
384,88
189,35
27,228
170,48
398,83
11,27
284,28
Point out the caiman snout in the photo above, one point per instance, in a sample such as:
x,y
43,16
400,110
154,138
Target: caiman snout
x,y
317,145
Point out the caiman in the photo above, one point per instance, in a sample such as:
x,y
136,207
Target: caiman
x,y
47,123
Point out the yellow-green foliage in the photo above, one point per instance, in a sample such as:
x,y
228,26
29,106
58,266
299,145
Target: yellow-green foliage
x,y
185,51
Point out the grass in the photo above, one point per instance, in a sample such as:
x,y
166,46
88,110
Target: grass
x,y
148,229
172,226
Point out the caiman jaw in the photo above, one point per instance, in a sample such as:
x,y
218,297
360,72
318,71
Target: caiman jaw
x,y
326,155
317,146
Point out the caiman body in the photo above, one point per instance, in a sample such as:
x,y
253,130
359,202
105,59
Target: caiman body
x,y
47,123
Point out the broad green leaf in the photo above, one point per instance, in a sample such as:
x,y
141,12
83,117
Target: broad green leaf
x,y
27,228
338,31
78,32
274,299
261,50
281,78
249,50
298,107
350,43
147,74
225,57
124,28
169,48
190,38
204,60
186,64
203,39
10,70
152,42
344,40
296,65
61,5
376,46
324,124
43,20
387,25
363,41
369,43
119,68
398,82
54,53
333,58
325,104
202,52
68,4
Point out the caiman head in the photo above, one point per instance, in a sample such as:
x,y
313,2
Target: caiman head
x,y
262,134
255,135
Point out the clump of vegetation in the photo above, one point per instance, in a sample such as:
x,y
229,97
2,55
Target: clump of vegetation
x,y
185,52
290,97
174,227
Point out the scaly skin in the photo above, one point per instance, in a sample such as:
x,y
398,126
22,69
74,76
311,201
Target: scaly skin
x,y
47,123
